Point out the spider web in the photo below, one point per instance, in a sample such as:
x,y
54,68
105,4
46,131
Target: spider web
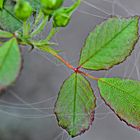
x,y
44,108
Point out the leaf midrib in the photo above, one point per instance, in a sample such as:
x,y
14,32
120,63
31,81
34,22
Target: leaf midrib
x,y
106,44
74,105
12,14
129,93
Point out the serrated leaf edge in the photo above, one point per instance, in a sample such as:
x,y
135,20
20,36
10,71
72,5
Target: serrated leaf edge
x,y
92,113
120,118
133,46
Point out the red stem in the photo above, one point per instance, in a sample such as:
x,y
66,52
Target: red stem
x,y
65,62
76,70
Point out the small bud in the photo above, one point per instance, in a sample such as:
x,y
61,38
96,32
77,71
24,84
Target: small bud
x,y
62,16
49,6
23,10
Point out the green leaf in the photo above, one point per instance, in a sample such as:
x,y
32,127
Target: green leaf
x,y
123,97
75,105
110,43
48,49
1,4
4,34
43,43
8,21
10,63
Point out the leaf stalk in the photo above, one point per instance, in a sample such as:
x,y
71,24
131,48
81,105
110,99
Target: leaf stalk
x,y
76,70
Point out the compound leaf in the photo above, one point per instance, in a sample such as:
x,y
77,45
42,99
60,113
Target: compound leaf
x,y
10,63
110,43
75,105
123,97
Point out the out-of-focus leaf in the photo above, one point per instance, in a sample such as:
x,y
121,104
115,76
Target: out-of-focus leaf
x,y
35,4
8,21
10,63
1,4
4,34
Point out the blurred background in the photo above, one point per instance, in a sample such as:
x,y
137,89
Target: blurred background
x,y
26,108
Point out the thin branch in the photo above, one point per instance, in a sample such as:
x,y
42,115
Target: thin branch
x,y
75,69
64,61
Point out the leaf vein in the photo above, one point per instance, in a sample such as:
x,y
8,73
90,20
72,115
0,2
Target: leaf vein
x,y
107,43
